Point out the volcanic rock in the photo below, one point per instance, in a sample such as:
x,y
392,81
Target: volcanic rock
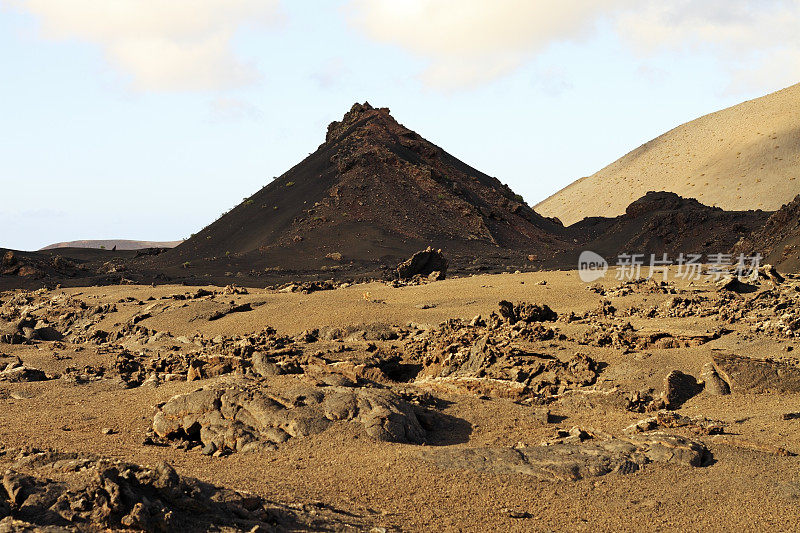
x,y
98,494
671,420
479,356
425,263
734,284
22,373
663,222
578,459
679,387
714,384
745,374
526,312
771,273
243,419
19,269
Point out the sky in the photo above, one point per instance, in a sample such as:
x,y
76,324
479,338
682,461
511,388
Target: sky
x,y
144,119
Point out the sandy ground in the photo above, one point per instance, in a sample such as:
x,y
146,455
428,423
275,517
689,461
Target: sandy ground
x,y
390,484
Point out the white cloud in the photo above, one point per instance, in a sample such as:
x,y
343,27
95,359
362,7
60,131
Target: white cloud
x,y
552,81
331,73
172,45
468,42
233,109
757,41
471,41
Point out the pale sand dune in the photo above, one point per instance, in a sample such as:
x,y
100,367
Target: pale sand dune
x,y
743,157
121,244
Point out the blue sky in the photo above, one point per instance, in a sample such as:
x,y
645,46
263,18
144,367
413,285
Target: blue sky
x,y
97,144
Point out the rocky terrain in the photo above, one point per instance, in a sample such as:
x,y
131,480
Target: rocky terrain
x,y
663,222
349,350
513,402
49,490
778,239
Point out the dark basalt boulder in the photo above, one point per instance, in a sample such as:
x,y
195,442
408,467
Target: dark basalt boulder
x,y
423,263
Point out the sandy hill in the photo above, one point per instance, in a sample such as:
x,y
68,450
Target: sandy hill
x,y
743,157
120,244
374,192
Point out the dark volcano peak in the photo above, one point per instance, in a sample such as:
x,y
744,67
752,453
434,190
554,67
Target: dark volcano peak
x,y
365,125
358,114
374,192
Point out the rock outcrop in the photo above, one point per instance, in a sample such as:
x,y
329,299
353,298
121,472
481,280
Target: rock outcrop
x,y
582,457
232,418
745,374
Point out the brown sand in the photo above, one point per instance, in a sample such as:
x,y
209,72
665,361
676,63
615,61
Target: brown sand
x,y
388,484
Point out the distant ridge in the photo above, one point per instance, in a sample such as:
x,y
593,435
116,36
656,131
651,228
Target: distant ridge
x,y
121,244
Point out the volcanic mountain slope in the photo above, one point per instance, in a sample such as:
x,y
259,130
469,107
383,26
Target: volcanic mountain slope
x,y
778,240
657,223
374,192
743,157
663,222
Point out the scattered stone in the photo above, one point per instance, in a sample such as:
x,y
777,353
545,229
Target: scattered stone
x,y
526,312
17,373
263,366
494,357
733,284
542,415
201,293
625,337
514,513
678,388
241,308
670,420
771,273
310,286
234,290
